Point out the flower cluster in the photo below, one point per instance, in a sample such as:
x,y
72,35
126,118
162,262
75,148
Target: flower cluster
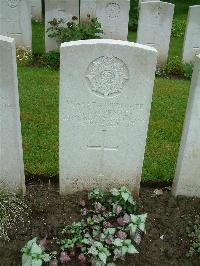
x,y
109,230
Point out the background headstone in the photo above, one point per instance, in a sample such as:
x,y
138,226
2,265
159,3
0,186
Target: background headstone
x,y
36,9
105,103
113,16
187,179
64,9
11,166
15,22
192,36
154,27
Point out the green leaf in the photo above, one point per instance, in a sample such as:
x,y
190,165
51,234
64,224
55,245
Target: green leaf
x,y
142,227
103,257
36,249
36,262
124,250
115,192
109,231
93,251
132,249
125,195
133,229
46,257
143,217
118,242
26,260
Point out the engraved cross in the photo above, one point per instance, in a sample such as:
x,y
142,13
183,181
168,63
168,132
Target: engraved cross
x,y
102,148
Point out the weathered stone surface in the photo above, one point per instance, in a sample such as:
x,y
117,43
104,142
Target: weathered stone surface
x,y
36,9
58,9
113,15
187,179
11,166
192,35
154,27
15,22
105,103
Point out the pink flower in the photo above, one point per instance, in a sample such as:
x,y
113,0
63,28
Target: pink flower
x,y
121,234
82,258
106,224
108,240
84,212
117,209
126,218
123,220
64,258
120,221
53,263
94,218
98,206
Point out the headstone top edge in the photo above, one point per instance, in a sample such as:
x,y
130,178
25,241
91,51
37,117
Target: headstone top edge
x,y
158,2
109,42
194,6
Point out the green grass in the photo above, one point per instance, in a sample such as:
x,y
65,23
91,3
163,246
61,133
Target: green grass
x,y
39,116
38,37
39,113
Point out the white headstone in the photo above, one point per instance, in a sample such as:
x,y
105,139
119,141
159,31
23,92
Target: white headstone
x,y
15,22
187,179
58,9
11,166
192,35
154,27
105,104
112,14
36,9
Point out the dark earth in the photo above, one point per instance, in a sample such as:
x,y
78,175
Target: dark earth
x,y
165,243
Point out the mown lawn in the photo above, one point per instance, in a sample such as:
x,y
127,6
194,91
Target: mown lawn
x,y
39,88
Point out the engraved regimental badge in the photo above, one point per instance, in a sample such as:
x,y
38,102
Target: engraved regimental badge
x,y
13,3
107,76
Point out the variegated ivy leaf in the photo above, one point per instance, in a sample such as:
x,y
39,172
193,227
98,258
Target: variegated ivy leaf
x,y
118,242
125,195
109,231
132,250
138,219
103,257
114,192
133,229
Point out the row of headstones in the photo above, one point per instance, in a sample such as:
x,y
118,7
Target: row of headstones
x,y
154,26
104,113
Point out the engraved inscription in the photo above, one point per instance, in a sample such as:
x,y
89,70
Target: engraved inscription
x,y
104,114
113,10
107,76
13,3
